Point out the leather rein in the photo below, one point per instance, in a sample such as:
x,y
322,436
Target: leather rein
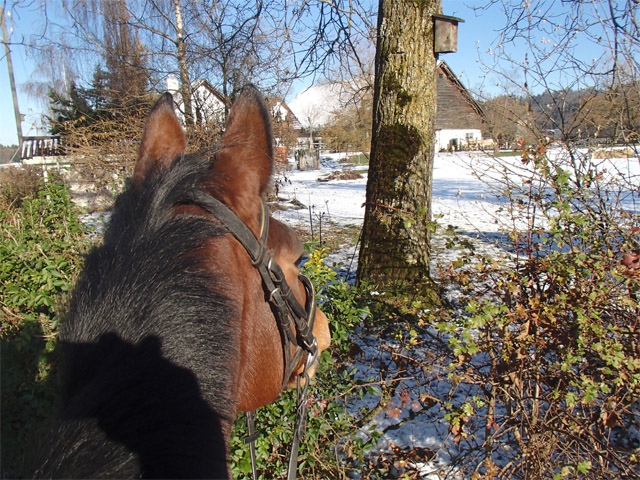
x,y
287,310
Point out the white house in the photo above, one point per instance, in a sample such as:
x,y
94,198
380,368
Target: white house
x,y
207,103
460,119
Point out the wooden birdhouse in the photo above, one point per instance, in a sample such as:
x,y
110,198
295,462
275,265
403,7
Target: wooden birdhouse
x,y
445,38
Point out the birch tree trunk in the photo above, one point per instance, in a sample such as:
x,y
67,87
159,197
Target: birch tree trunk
x,y
395,248
185,82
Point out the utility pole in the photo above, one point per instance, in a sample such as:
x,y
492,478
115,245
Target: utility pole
x,y
12,81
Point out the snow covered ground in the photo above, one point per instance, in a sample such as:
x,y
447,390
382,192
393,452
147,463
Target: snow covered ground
x,y
461,199
465,186
461,190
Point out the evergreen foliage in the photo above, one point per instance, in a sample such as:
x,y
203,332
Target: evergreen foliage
x,y
78,110
119,90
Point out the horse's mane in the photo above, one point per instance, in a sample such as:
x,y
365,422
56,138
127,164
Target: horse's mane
x,y
146,327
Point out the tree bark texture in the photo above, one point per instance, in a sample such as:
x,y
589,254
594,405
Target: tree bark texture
x,y
395,242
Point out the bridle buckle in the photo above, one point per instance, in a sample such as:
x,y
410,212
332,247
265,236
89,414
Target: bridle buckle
x,y
312,355
272,295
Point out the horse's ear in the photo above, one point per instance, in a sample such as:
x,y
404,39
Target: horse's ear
x,y
163,140
244,163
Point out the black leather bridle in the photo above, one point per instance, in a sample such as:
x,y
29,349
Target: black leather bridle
x,y
287,310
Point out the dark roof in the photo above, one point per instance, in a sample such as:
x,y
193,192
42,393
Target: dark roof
x,y
456,107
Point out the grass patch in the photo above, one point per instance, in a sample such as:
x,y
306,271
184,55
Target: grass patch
x,y
507,153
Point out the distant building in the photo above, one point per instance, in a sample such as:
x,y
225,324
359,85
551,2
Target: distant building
x,y
459,125
281,113
285,126
460,119
208,106
207,103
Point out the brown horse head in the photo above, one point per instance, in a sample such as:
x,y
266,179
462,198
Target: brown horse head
x,y
239,177
171,331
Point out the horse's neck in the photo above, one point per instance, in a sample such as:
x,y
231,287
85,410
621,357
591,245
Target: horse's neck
x,y
129,396
83,450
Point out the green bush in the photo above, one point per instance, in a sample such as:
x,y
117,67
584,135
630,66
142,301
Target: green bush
x,y
546,347
41,249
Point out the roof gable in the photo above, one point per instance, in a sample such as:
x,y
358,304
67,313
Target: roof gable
x,y
203,85
281,112
457,109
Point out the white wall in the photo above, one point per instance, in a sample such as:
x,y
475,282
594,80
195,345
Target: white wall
x,y
462,136
279,112
210,106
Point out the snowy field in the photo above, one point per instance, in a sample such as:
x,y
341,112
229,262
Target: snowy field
x,y
462,190
465,187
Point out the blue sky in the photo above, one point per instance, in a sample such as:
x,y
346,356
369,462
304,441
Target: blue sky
x,y
475,36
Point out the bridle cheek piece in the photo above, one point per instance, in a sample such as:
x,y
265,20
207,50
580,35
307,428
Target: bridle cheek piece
x,y
286,308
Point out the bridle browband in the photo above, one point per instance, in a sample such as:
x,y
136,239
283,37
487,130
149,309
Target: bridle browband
x,y
285,306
